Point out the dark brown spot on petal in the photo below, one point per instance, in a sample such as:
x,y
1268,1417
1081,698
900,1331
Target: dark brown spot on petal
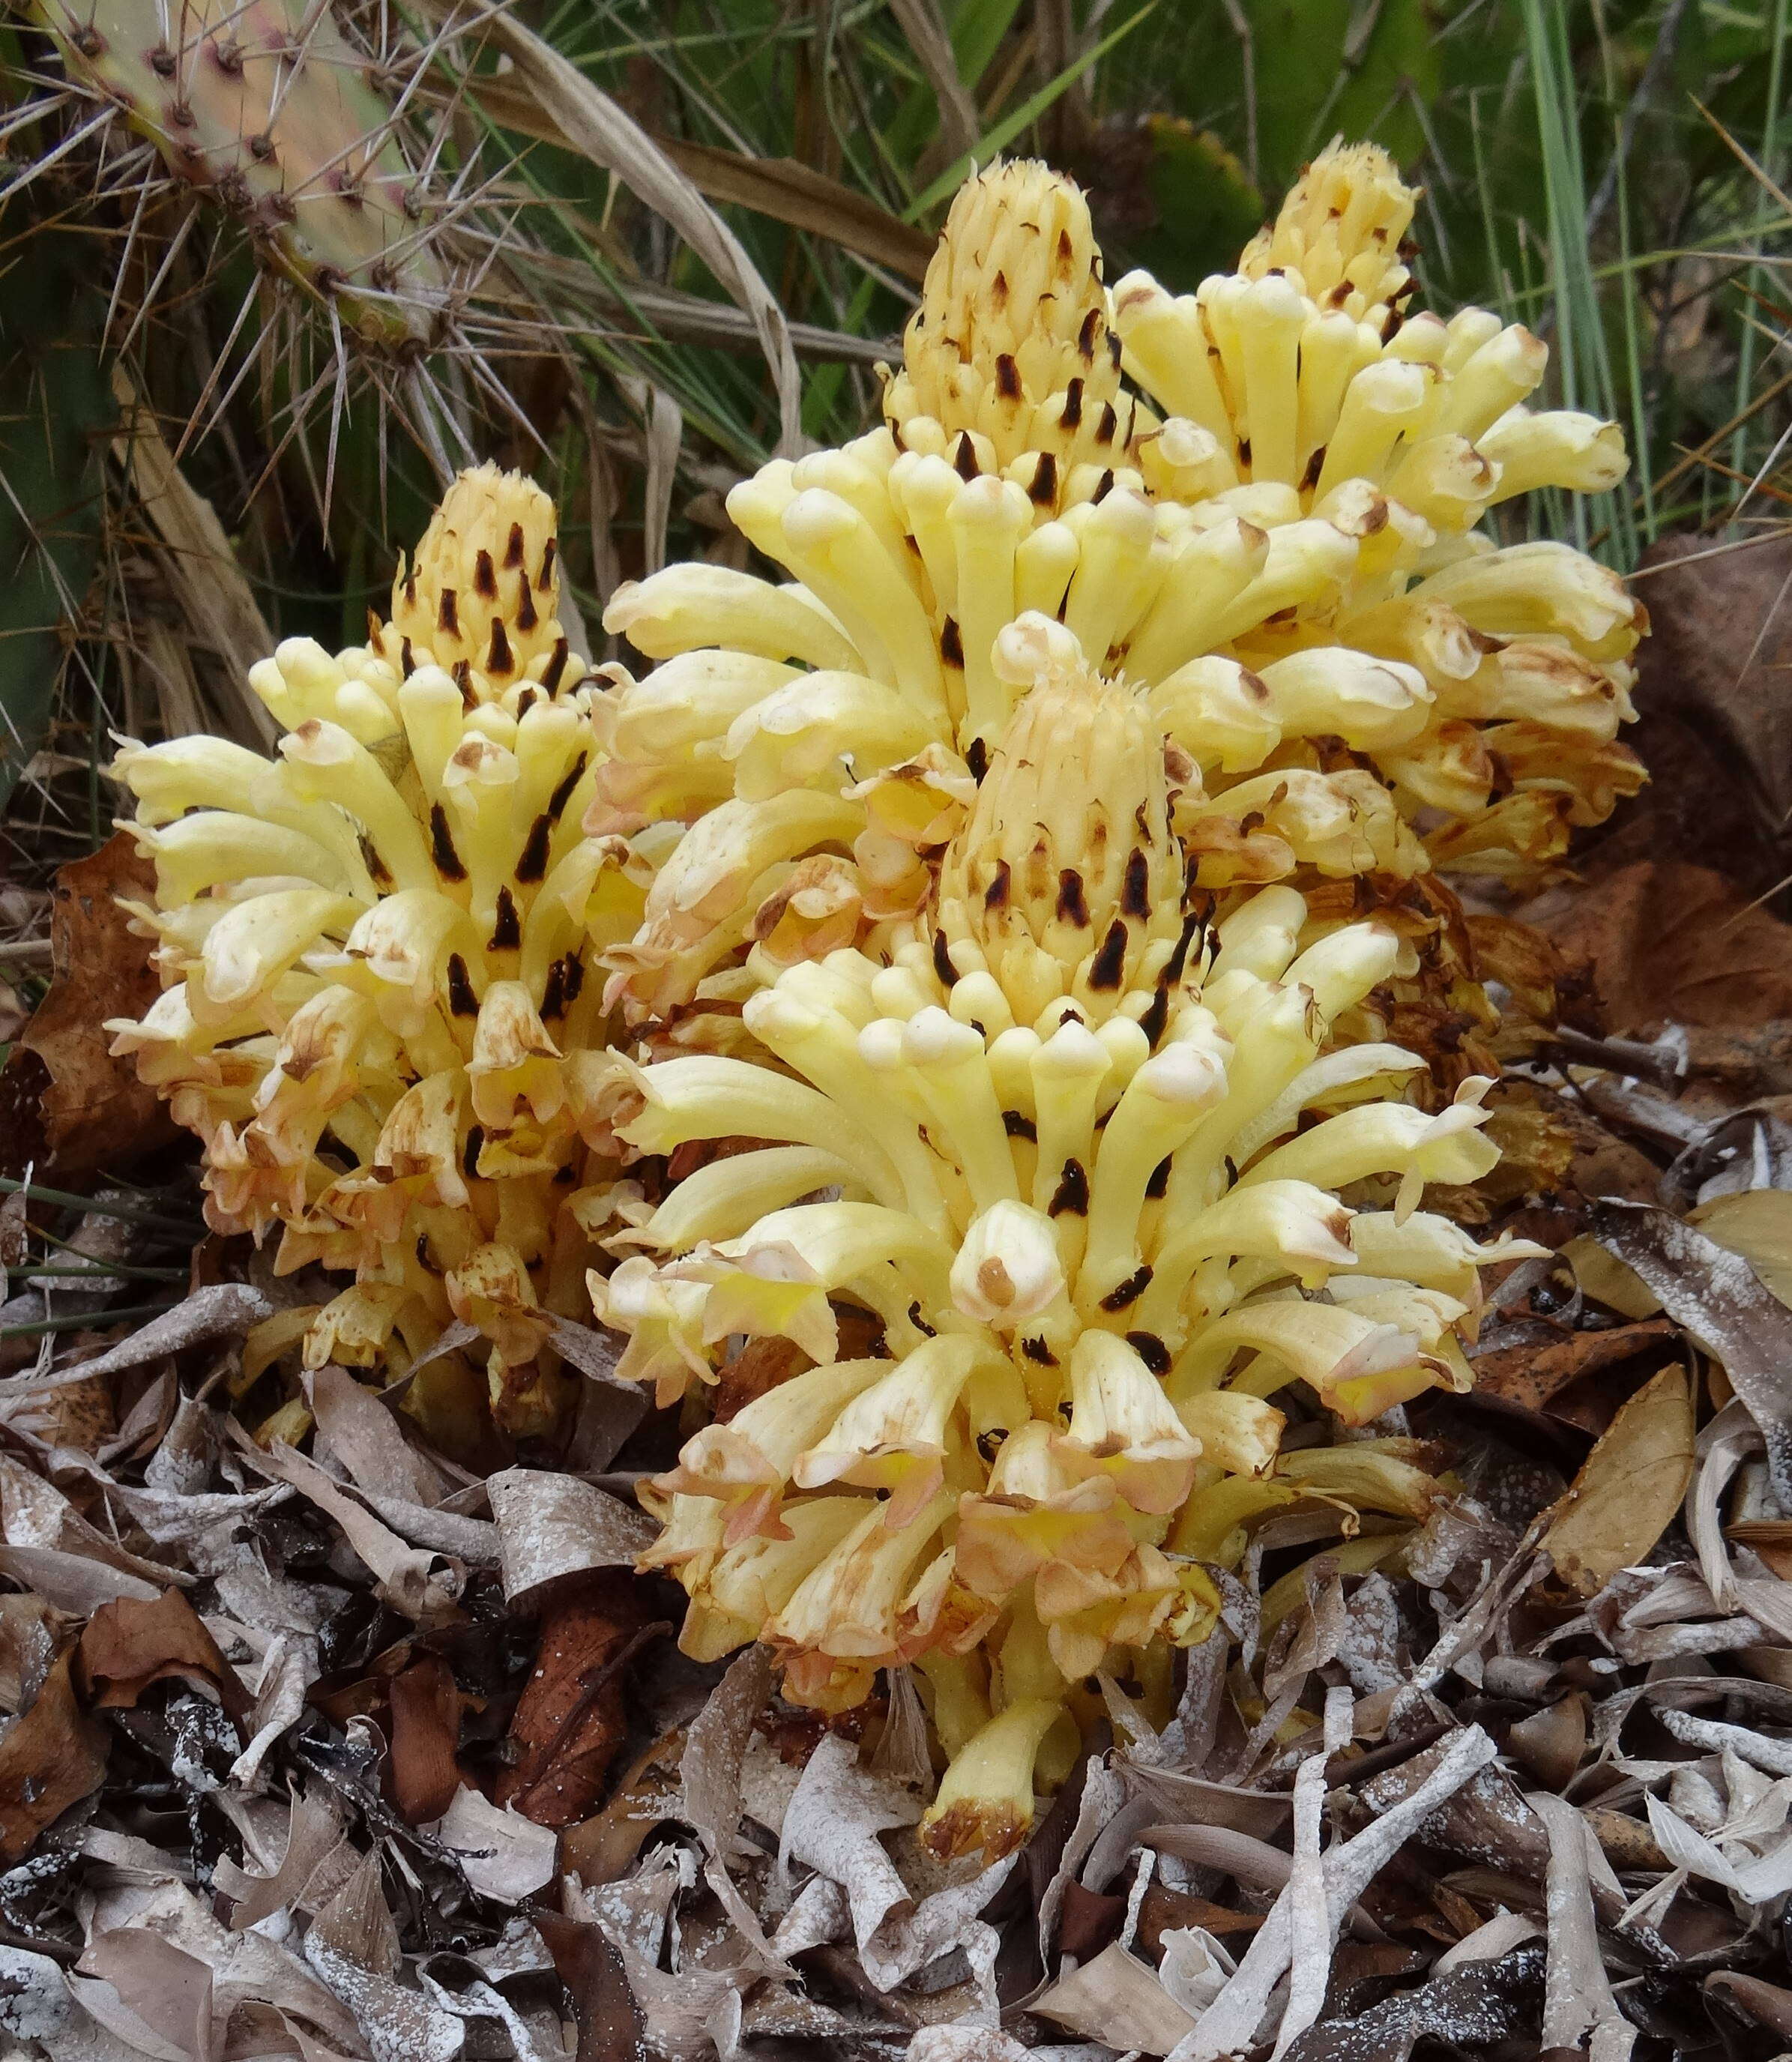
x,y
461,1001
1157,1015
919,1321
1158,1184
951,643
1135,894
485,577
544,579
1008,378
553,998
1316,465
942,961
1037,1351
1088,335
442,845
513,546
965,456
1192,925
1073,907
1072,418
1044,491
447,614
995,896
563,794
976,757
498,658
1152,1350
557,665
533,864
1111,961
507,931
1129,1291
527,617
1018,1124
471,1151
1073,1192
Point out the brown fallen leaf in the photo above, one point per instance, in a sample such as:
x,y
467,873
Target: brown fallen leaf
x,y
1550,1743
65,1104
49,1759
1673,943
569,1722
1531,1375
426,1729
1633,1481
127,1645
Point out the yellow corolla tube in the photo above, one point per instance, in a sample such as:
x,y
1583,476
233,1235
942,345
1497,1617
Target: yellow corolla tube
x,y
1086,1123
379,952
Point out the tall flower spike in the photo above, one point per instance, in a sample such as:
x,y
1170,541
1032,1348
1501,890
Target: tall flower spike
x,y
1288,562
377,952
1085,1128
1011,339
1308,390
1343,229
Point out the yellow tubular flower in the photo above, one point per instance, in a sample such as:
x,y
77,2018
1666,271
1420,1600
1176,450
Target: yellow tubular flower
x,y
1308,390
1076,1135
378,955
1288,562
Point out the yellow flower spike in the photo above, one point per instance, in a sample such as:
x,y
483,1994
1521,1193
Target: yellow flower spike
x,y
381,985
1011,339
1085,1133
483,588
1342,228
1308,504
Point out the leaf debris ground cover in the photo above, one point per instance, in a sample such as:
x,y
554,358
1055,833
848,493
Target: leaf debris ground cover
x,y
354,1753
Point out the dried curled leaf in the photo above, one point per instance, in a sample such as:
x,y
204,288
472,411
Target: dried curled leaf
x,y
65,1103
1631,1485
49,1759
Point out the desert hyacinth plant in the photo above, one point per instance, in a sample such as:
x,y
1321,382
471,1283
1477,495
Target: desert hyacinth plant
x,y
1084,1135
378,957
1366,685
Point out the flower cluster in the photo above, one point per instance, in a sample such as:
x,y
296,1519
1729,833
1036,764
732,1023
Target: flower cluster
x,y
1286,559
1018,924
1081,1132
378,957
